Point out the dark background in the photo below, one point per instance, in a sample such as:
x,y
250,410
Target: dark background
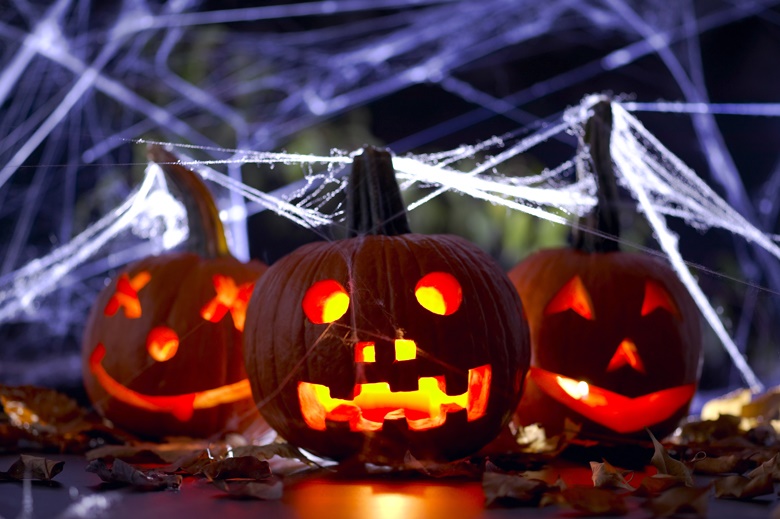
x,y
247,84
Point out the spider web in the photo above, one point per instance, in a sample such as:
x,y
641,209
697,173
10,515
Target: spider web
x,y
81,83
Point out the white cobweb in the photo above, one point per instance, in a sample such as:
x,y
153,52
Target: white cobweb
x,y
82,84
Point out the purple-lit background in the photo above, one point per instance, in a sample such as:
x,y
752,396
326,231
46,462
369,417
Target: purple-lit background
x,y
79,81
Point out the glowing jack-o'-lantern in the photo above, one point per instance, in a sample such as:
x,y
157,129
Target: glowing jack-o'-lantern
x,y
387,341
162,349
615,336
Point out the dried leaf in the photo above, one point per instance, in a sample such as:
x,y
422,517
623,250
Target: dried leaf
x,y
122,473
32,467
595,501
705,431
243,467
532,439
657,483
458,468
605,475
668,465
267,490
680,500
769,467
149,453
512,490
740,487
728,404
720,465
268,451
765,406
45,419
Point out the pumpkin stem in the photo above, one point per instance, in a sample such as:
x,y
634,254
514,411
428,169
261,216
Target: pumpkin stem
x,y
604,218
207,234
374,203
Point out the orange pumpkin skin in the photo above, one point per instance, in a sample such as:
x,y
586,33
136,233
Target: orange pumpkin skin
x,y
209,354
666,347
162,348
379,274
424,348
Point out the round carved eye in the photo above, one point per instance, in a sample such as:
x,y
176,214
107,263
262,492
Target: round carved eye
x,y
325,301
439,292
162,343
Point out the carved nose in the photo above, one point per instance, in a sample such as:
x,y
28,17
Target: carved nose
x,y
626,354
405,349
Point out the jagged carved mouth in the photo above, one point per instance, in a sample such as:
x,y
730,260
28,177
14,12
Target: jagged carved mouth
x,y
180,406
620,413
373,403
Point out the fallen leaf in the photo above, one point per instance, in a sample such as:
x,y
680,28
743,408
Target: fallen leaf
x,y
658,483
728,404
532,439
458,468
595,501
243,467
718,428
720,465
605,475
668,465
44,419
123,473
265,490
765,405
149,453
770,467
740,487
32,467
268,451
680,500
512,490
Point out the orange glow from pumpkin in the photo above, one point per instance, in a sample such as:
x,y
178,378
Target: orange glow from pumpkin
x,y
656,297
180,406
620,413
162,343
439,293
230,298
365,352
126,295
325,301
373,403
572,296
626,353
405,349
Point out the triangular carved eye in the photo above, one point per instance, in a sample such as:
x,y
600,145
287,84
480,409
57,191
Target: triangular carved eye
x,y
572,296
656,297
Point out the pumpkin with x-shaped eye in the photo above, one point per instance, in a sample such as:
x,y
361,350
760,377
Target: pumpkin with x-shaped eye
x,y
388,342
162,349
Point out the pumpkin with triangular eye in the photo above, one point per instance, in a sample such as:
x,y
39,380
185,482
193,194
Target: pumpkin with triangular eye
x,y
388,341
615,336
162,349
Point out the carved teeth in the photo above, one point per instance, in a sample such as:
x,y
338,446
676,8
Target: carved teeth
x,y
423,408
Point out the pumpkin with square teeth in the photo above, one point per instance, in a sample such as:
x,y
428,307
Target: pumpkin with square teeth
x,y
615,336
387,341
162,351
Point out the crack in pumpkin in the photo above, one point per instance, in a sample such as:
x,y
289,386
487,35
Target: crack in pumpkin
x,y
373,403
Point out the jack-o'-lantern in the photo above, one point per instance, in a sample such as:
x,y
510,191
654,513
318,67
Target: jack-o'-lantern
x,y
615,336
162,349
386,341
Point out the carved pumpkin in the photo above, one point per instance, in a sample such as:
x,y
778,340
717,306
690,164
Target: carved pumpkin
x,y
615,336
387,341
162,350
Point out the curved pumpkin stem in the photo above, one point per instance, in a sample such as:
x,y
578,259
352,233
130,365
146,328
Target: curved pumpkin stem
x,y
374,203
604,218
206,230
